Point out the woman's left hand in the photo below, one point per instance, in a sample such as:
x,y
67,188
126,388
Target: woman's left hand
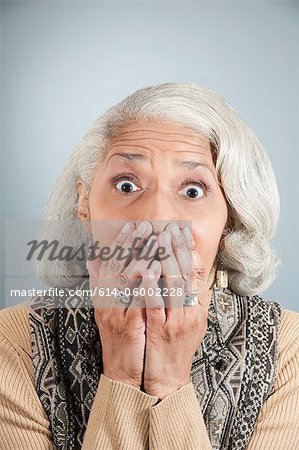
x,y
174,331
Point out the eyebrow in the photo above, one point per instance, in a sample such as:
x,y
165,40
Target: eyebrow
x,y
186,164
191,164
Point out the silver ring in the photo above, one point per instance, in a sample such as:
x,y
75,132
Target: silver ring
x,y
122,297
190,299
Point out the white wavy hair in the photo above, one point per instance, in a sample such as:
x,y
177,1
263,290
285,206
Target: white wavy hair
x,y
244,172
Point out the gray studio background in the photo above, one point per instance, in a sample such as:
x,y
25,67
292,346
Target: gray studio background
x,y
65,62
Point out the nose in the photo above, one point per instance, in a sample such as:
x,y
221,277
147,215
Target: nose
x,y
161,210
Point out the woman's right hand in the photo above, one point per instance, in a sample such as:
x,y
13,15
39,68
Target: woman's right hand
x,y
122,328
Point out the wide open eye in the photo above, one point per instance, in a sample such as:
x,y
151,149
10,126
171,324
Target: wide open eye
x,y
194,189
126,186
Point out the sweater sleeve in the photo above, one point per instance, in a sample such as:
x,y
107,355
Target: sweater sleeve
x,y
23,423
276,427
177,421
119,416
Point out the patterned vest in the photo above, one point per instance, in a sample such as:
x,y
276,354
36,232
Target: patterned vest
x,y
233,371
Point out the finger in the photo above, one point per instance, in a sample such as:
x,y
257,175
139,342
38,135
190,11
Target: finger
x,y
102,296
98,300
115,265
136,309
199,273
139,299
141,234
156,268
196,258
172,278
112,264
184,258
125,249
202,282
128,280
155,312
131,275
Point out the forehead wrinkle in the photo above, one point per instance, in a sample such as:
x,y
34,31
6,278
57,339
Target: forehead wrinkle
x,y
126,145
189,151
135,157
162,132
141,157
163,140
132,157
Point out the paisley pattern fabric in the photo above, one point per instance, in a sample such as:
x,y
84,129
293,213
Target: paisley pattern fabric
x,y
233,371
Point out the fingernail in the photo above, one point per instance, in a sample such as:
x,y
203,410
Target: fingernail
x,y
155,266
127,227
175,230
143,226
150,274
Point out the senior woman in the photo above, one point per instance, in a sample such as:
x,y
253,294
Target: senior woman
x,y
195,360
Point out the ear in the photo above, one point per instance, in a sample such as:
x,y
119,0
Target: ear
x,y
83,209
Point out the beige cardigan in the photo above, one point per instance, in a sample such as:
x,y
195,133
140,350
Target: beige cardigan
x,y
125,418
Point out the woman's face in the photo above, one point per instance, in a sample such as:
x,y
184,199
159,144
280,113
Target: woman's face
x,y
162,173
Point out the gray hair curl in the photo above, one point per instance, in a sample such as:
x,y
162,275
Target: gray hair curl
x,y
244,172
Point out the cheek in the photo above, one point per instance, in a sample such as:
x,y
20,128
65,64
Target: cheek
x,y
207,244
101,205
207,235
104,231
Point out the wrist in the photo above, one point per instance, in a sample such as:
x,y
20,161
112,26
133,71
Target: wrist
x,y
123,379
162,391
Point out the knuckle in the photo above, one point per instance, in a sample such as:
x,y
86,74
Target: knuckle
x,y
179,244
116,328
201,272
178,282
191,273
174,332
156,309
110,322
115,265
104,263
138,298
179,331
166,335
123,280
195,272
